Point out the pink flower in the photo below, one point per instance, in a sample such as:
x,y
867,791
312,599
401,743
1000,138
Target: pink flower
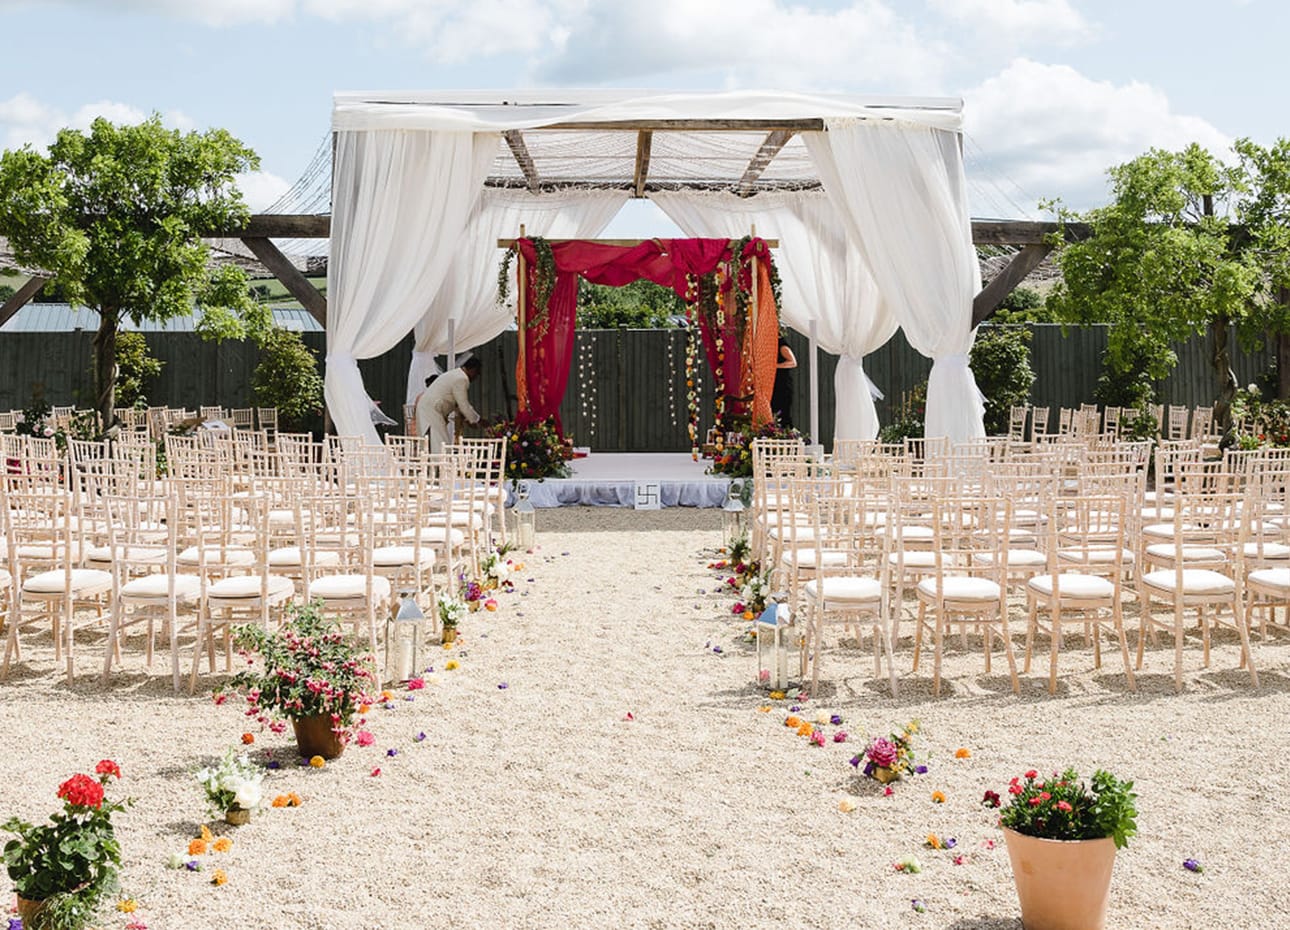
x,y
882,752
887,791
840,736
376,773
817,738
416,684
365,738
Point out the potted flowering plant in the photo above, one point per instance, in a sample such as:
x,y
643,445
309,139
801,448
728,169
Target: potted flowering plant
x,y
451,612
493,569
1062,835
888,758
64,869
233,787
472,593
309,673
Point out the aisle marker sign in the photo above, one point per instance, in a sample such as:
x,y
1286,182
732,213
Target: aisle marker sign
x,y
647,495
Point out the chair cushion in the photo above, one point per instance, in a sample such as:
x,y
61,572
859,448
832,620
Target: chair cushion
x,y
1194,581
910,531
1017,558
248,586
230,555
1275,579
458,518
1072,585
156,586
84,581
845,590
1270,551
435,534
961,588
1163,530
348,587
395,556
811,558
1157,513
913,558
1189,553
290,557
1094,555
132,553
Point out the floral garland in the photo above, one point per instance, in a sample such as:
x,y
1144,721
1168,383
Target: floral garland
x,y
542,275
719,397
691,369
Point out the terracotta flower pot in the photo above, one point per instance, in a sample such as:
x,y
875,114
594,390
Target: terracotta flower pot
x,y
314,737
1062,884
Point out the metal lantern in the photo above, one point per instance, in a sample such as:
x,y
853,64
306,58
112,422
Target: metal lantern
x,y
525,519
776,633
732,514
405,636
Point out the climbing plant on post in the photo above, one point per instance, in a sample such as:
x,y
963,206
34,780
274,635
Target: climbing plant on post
x,y
115,217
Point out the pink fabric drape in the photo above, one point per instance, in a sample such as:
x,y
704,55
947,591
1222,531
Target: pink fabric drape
x,y
543,375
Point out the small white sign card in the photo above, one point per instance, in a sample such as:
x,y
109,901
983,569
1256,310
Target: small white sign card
x,y
648,496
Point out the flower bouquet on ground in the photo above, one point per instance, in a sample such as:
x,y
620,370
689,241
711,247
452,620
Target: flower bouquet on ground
x,y
471,593
888,758
65,869
494,569
754,592
233,787
532,451
451,612
309,673
1062,836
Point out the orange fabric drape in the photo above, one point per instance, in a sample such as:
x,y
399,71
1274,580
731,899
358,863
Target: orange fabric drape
x,y
765,350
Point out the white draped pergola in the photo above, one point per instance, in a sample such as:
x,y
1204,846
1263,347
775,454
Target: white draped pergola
x,y
866,196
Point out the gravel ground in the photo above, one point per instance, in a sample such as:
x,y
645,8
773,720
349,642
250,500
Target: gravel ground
x,y
543,804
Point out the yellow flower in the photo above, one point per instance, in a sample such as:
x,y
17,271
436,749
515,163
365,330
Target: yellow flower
x,y
777,695
447,645
764,709
223,844
805,729
219,878
206,833
317,762
294,799
938,797
452,665
846,805
963,753
127,905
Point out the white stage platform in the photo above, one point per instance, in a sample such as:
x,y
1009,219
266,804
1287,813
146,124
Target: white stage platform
x,y
610,479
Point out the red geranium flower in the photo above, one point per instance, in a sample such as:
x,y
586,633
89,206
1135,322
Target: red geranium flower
x,y
1032,774
108,767
81,791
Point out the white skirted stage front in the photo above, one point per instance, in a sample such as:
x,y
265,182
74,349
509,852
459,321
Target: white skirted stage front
x,y
633,479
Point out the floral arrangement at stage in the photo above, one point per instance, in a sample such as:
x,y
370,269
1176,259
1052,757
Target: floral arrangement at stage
x,y
735,458
64,869
307,668
888,758
1063,807
907,421
234,783
533,451
1258,422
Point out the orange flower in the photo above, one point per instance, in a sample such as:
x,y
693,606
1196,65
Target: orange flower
x,y
223,844
281,801
764,709
219,878
317,761
196,847
793,722
748,614
934,841
248,739
363,709
963,753
938,797
295,799
387,696
805,729
206,833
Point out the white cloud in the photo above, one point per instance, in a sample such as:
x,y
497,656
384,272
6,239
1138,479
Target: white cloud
x,y
26,120
207,12
1018,22
1054,132
759,43
261,188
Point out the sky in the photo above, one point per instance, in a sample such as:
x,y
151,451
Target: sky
x,y
1055,91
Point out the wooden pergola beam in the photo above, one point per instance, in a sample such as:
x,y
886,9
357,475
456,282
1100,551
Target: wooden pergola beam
x,y
1006,281
1025,232
644,141
21,296
515,139
775,141
295,282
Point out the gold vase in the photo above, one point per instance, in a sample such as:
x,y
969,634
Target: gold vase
x,y
237,816
884,774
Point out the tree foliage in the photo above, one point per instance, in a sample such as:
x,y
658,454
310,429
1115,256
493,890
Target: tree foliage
x,y
115,216
1001,364
287,378
1263,210
135,367
639,305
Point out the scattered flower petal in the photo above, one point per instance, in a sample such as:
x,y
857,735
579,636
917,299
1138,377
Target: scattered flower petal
x,y
452,665
193,865
918,905
416,684
317,762
962,753
938,797
376,773
391,753
840,736
888,791
248,739
196,847
502,686
920,770
219,878
836,720
127,905
1191,865
420,737
846,805
365,738
222,845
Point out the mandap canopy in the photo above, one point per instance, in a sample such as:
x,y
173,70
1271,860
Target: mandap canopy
x,y
866,196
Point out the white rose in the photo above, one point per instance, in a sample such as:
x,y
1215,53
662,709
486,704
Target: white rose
x,y
248,794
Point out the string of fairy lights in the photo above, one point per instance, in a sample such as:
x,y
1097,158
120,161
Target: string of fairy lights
x,y
587,389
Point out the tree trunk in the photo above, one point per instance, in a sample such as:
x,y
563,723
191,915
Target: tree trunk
x,y
1219,330
105,366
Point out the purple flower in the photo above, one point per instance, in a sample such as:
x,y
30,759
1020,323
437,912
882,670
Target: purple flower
x,y
836,720
918,905
795,708
408,697
420,737
391,753
950,842
502,686
273,764
920,770
717,649
855,761
193,865
1191,865
15,923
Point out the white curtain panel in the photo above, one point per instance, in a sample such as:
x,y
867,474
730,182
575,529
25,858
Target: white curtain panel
x,y
468,295
900,192
400,203
823,278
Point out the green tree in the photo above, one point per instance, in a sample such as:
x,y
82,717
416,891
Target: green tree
x,y
1263,210
1160,265
639,305
287,377
115,216
135,367
1001,364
